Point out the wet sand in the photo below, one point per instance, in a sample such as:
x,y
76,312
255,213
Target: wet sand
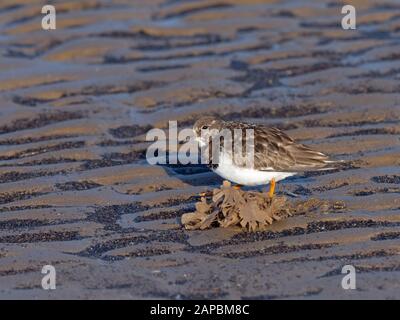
x,y
77,192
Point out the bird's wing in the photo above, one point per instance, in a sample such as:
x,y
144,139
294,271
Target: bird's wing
x,y
276,151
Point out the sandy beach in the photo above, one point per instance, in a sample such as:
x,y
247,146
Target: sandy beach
x,y
77,192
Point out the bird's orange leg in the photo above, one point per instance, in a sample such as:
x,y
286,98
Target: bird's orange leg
x,y
272,188
237,187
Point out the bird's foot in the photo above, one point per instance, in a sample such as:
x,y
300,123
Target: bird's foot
x,y
272,188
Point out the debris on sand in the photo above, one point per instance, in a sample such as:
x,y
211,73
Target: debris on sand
x,y
234,207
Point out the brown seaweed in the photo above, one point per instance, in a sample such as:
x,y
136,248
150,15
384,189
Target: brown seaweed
x,y
229,206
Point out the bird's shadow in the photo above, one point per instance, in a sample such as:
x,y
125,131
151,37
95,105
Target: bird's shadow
x,y
193,174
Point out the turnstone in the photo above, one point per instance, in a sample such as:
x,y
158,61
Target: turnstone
x,y
276,155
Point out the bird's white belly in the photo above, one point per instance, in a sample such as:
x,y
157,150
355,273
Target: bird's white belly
x,y
248,176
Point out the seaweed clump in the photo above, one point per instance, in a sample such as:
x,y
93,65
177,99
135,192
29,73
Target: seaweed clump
x,y
229,206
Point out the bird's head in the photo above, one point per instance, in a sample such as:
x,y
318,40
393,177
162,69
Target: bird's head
x,y
206,127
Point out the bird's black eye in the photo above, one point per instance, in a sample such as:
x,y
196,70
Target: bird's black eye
x,y
204,127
